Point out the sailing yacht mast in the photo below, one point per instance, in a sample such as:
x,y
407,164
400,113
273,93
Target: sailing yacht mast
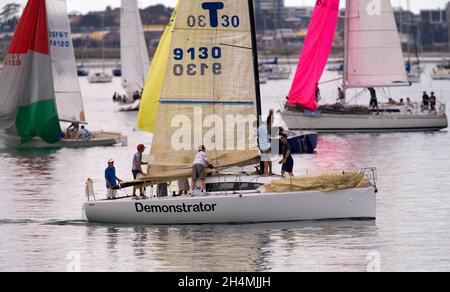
x,y
346,44
255,62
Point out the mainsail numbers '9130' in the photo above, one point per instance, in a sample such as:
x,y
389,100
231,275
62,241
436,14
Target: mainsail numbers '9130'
x,y
204,54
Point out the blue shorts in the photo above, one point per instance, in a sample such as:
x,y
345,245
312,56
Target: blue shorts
x,y
135,173
288,166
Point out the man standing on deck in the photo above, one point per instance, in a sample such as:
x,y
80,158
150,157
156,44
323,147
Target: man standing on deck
x,y
199,169
137,167
287,162
111,180
373,99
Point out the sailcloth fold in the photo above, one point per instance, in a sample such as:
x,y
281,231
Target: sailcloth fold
x,y
27,97
315,53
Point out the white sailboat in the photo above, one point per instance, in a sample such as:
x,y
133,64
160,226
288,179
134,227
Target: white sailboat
x,y
103,76
441,72
40,86
373,58
207,79
133,53
413,70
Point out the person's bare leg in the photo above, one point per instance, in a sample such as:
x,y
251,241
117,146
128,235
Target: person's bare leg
x,y
283,173
266,168
203,183
291,174
194,184
270,168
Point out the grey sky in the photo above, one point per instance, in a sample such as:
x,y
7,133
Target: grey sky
x,y
89,5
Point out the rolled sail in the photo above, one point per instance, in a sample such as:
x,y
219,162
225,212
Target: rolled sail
x,y
208,95
27,97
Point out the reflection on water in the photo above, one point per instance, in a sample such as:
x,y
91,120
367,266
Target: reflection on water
x,y
42,193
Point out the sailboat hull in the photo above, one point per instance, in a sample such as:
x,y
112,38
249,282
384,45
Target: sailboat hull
x,y
239,208
100,139
339,123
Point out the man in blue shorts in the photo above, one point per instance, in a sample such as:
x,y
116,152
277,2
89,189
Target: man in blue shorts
x,y
287,162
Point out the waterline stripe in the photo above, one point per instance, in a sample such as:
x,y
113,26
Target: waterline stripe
x,y
207,102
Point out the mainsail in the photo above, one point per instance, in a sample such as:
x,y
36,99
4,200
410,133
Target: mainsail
x,y
67,87
315,53
133,49
27,97
373,55
208,94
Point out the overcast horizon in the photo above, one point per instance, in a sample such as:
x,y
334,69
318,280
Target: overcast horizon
x,y
84,6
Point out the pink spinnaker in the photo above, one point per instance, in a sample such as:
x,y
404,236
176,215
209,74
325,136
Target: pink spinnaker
x,y
315,53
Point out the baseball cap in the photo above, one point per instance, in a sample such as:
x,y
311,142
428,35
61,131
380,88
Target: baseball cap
x,y
141,147
111,161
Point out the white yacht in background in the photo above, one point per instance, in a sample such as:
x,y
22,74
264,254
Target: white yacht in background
x,y
441,72
369,65
133,53
100,77
277,71
103,76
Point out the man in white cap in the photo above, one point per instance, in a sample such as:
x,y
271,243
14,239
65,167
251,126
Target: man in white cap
x,y
111,180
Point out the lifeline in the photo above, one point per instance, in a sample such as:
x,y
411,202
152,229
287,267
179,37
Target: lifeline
x,y
184,208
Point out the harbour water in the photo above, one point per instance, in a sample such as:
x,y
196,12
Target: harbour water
x,y
42,192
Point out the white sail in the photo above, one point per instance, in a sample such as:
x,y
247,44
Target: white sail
x,y
67,87
133,50
374,56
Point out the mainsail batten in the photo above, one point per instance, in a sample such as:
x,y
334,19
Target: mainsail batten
x,y
208,94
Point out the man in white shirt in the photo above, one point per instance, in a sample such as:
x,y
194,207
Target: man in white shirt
x,y
199,169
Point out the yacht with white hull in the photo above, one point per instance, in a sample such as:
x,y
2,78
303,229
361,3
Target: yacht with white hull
x,y
389,119
238,206
366,65
230,87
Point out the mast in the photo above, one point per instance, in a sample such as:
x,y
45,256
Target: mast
x,y
346,43
103,42
255,62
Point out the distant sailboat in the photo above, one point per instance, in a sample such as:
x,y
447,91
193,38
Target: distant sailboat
x,y
373,58
133,53
103,76
206,84
39,85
